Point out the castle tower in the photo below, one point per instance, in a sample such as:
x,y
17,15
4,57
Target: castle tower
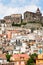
x,y
38,12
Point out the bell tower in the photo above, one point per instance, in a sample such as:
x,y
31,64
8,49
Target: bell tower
x,y
38,12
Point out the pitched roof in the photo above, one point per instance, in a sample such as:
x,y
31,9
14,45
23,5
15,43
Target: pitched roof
x,y
2,56
18,57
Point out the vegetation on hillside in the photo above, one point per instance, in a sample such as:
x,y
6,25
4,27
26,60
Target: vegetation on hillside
x,y
15,24
32,60
24,23
8,56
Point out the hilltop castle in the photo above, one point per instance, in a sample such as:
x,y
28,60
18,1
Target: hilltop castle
x,y
31,16
28,17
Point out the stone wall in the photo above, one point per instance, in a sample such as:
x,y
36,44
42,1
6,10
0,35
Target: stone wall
x,y
10,63
31,16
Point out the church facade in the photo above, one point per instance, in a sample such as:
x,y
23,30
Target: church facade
x,y
31,16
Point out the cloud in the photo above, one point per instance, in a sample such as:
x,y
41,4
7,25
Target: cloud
x,y
22,1
34,1
17,0
8,10
4,10
13,1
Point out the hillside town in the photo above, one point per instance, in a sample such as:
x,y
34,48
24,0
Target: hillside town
x,y
21,41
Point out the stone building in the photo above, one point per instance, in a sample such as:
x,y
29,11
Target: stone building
x,y
2,26
31,16
8,20
39,60
16,18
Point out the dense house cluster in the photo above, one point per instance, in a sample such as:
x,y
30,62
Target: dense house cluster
x,y
20,42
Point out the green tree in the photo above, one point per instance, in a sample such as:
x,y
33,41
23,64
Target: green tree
x,y
32,29
8,57
32,59
30,62
13,24
34,56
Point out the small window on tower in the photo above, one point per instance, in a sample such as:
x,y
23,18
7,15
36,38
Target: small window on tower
x,y
26,16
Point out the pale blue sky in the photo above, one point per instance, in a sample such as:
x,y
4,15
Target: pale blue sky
x,y
8,7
